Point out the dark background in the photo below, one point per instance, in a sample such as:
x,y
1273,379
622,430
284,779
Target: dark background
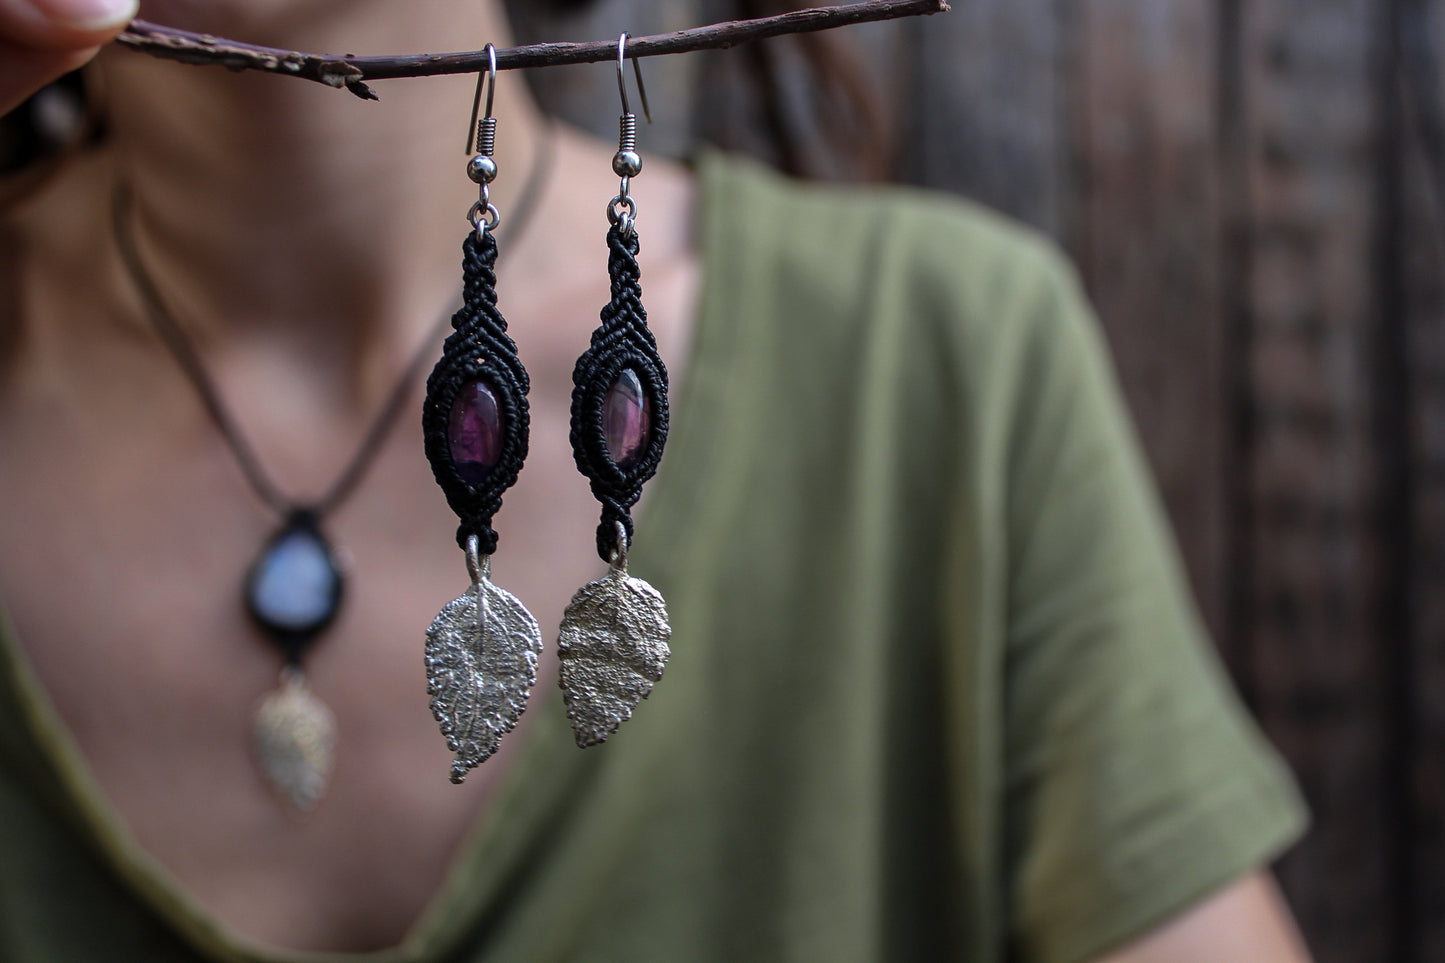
x,y
1252,191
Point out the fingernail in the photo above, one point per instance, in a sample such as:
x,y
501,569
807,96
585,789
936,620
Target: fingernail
x,y
87,14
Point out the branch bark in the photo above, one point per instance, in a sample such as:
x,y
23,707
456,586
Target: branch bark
x,y
353,72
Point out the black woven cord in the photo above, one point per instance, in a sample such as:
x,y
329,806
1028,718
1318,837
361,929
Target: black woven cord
x,y
621,342
478,350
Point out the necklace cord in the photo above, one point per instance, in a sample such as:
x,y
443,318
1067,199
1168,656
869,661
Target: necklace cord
x,y
174,338
180,347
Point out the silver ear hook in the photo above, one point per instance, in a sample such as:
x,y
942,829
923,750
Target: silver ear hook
x,y
637,70
626,163
491,80
482,168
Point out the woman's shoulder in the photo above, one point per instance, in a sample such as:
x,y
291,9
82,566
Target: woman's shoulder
x,y
963,297
843,232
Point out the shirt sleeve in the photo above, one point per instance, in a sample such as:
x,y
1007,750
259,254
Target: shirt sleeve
x,y
1136,784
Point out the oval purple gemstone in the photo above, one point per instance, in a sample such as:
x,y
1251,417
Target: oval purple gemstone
x,y
474,432
626,419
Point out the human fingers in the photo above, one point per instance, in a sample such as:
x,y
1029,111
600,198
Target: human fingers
x,y
42,39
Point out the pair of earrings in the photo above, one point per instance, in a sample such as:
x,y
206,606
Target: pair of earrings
x,y
482,649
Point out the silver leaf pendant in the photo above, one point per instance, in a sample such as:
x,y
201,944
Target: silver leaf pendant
x,y
295,737
481,664
613,646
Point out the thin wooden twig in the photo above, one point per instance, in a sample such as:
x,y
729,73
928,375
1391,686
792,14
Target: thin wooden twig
x,y
353,72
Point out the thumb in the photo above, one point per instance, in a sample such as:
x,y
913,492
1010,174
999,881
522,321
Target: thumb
x,y
42,39
62,25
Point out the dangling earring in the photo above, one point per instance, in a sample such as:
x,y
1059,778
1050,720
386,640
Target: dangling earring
x,y
613,640
482,649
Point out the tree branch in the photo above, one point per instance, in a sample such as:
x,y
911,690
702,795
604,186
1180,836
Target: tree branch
x,y
353,72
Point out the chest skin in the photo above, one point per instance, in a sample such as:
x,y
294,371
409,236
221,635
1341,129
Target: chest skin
x,y
126,554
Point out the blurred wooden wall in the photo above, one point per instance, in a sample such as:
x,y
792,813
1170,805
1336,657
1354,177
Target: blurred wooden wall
x,y
1253,191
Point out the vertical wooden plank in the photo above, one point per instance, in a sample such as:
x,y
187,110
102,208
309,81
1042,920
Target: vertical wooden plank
x,y
1147,239
1235,262
984,107
1394,483
1422,245
1426,253
1317,660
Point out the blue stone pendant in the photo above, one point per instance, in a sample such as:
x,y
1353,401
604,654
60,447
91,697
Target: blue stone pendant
x,y
294,589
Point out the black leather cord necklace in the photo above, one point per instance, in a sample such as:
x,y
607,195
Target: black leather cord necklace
x,y
294,589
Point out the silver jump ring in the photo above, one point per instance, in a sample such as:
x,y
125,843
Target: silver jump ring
x,y
484,216
479,566
626,215
618,560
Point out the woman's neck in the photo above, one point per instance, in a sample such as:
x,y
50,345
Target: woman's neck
x,y
276,210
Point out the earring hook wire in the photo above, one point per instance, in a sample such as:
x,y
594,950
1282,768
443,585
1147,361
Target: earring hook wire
x,y
490,77
622,81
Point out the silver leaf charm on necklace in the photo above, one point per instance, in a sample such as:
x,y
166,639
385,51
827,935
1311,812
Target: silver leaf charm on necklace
x,y
296,741
613,646
481,664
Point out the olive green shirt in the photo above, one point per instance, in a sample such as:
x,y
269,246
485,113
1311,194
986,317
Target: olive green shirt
x,y
937,690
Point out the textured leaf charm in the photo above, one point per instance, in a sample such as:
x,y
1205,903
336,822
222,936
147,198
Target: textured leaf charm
x,y
613,646
296,741
481,664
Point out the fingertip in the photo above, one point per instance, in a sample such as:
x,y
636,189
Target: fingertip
x,y
89,16
58,24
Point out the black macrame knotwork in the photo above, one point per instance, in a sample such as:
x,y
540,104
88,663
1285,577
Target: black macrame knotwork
x,y
477,350
621,342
